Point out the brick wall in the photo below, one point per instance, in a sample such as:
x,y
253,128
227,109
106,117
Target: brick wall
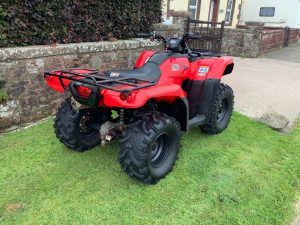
x,y
22,68
294,35
271,40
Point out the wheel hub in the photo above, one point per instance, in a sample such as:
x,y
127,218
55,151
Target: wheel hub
x,y
84,123
159,151
222,110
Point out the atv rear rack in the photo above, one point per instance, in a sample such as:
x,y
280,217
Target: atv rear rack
x,y
95,79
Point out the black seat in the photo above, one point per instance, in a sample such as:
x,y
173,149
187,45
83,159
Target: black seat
x,y
149,71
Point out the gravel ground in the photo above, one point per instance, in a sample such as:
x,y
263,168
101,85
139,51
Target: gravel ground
x,y
262,85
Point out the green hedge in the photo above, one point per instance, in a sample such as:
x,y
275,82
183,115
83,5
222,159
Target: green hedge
x,y
30,22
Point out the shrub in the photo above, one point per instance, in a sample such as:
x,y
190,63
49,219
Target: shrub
x,y
3,95
29,22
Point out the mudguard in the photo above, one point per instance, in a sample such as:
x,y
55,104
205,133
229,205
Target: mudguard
x,y
137,99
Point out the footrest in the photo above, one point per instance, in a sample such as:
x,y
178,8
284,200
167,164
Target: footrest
x,y
197,121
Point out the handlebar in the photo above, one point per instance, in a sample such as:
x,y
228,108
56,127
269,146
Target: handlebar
x,y
183,43
154,35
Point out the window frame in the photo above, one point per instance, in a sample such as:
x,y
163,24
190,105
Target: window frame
x,y
196,8
229,23
261,8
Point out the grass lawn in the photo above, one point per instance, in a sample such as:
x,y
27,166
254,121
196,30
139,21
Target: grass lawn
x,y
249,174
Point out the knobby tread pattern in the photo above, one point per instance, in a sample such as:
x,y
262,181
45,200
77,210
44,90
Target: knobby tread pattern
x,y
212,126
135,146
67,130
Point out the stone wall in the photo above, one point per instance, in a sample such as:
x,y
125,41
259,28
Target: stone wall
x,y
241,42
246,41
176,29
22,68
252,41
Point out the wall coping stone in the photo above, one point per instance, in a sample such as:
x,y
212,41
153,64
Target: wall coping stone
x,y
181,13
165,27
38,51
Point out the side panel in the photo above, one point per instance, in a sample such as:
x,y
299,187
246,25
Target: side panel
x,y
201,95
178,109
174,71
194,89
209,90
200,86
143,58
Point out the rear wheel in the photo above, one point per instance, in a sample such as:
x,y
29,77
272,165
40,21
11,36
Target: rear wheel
x,y
149,147
73,128
220,111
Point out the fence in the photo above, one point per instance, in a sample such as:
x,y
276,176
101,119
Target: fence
x,y
208,35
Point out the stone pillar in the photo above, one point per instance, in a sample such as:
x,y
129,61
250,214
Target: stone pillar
x,y
252,39
167,30
254,26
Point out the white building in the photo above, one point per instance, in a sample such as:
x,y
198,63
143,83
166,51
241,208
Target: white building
x,y
278,13
206,10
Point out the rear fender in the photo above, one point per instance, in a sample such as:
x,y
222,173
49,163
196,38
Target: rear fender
x,y
59,85
138,98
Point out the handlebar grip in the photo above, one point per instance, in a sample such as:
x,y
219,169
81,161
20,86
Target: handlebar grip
x,y
144,35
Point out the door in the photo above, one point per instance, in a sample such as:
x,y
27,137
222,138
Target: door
x,y
213,11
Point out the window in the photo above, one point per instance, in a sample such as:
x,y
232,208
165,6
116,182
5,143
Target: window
x,y
193,8
229,11
267,11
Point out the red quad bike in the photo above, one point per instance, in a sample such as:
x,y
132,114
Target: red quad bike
x,y
165,93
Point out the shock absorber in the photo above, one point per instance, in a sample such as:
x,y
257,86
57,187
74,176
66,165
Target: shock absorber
x,y
122,118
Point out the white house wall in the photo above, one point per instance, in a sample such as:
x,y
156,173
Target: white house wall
x,y
287,12
298,18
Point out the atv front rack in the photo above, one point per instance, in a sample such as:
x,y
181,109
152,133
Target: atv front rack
x,y
206,53
96,79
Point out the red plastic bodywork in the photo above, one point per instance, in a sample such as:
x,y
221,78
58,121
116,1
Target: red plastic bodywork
x,y
174,72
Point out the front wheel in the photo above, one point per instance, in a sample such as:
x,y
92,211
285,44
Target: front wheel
x,y
220,111
149,147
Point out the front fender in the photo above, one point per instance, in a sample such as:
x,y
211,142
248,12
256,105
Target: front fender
x,y
221,66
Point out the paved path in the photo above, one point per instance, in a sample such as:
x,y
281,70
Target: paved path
x,y
262,85
289,54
